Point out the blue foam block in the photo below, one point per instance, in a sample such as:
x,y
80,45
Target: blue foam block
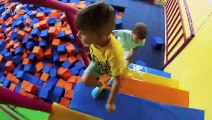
x,y
14,35
24,41
53,72
51,81
4,51
35,32
58,91
45,93
2,78
20,24
74,71
51,21
17,89
8,56
46,69
61,35
129,107
30,45
32,57
17,59
18,50
79,65
66,64
6,83
81,72
39,83
61,48
29,68
157,43
17,68
56,57
43,44
71,38
44,34
2,67
2,45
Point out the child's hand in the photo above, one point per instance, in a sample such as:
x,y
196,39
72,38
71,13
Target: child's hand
x,y
111,107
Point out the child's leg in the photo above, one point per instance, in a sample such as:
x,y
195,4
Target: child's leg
x,y
91,76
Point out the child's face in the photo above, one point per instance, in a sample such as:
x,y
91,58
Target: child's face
x,y
135,38
86,38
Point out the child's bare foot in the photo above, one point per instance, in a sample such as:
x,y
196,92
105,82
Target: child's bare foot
x,y
111,107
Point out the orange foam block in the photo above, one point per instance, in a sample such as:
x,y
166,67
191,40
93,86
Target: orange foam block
x,y
61,83
26,61
44,24
1,20
72,79
72,59
27,29
9,65
12,87
21,34
25,84
48,52
69,94
8,21
39,66
63,57
20,12
1,58
56,42
1,36
38,51
64,73
28,21
14,79
10,44
58,24
37,25
16,44
68,86
41,15
65,102
78,79
53,31
31,88
55,14
70,49
80,6
9,76
154,92
44,77
37,74
23,92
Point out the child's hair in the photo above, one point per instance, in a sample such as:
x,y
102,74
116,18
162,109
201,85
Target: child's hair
x,y
140,30
97,18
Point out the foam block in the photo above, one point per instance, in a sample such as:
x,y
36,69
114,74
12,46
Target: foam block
x,y
157,43
132,107
44,34
29,68
35,32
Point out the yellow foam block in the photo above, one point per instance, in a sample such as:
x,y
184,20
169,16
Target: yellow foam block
x,y
151,78
60,112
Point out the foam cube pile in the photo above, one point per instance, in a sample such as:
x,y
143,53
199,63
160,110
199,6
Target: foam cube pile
x,y
38,55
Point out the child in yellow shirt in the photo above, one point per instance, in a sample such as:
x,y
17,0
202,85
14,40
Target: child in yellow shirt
x,y
95,24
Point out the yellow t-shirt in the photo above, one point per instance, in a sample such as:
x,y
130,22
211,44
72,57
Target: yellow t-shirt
x,y
110,59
